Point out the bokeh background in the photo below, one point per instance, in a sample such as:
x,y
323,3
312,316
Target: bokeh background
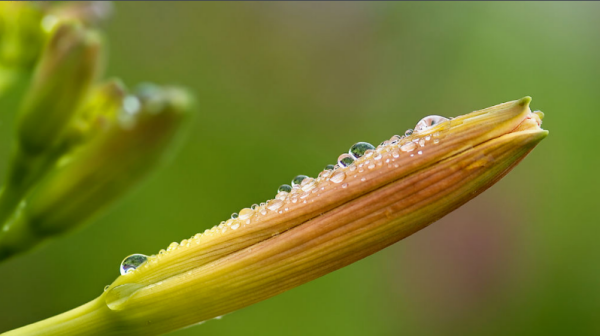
x,y
284,88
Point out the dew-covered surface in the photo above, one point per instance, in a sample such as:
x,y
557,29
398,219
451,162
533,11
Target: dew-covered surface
x,y
308,197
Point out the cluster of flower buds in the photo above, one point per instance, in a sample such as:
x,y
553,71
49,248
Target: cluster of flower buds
x,y
79,143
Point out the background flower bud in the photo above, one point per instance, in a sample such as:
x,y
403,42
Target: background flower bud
x,y
67,68
121,152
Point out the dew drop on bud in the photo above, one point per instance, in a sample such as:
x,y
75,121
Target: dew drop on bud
x,y
298,179
408,132
429,121
234,215
358,149
345,160
284,187
408,147
329,167
132,262
306,181
338,177
275,204
246,213
395,139
325,174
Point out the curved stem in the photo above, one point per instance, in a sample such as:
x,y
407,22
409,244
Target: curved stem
x,y
93,318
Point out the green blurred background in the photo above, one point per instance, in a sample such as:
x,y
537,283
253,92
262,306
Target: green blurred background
x,y
284,88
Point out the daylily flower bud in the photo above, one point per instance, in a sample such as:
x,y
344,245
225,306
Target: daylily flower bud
x,y
122,150
374,198
67,68
21,36
64,74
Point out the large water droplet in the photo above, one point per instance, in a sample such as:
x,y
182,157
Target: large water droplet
x,y
408,147
284,187
132,262
324,174
234,215
274,204
246,213
429,121
306,181
298,179
308,185
408,132
358,149
338,177
395,139
345,160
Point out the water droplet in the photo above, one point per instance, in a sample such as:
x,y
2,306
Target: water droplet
x,y
363,179
254,206
420,152
234,215
408,147
345,185
298,179
285,187
395,139
408,132
325,174
422,143
306,187
369,153
172,246
338,177
329,167
246,213
132,262
263,211
345,160
106,287
428,137
282,195
371,165
235,226
274,204
436,141
429,122
395,154
358,149
377,156
306,181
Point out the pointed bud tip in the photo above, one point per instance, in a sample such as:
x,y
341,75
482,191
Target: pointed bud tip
x,y
524,101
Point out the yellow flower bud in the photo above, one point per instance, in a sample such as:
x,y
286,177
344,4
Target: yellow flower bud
x,y
374,199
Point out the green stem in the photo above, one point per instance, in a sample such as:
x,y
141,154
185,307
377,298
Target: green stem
x,y
93,318
16,234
